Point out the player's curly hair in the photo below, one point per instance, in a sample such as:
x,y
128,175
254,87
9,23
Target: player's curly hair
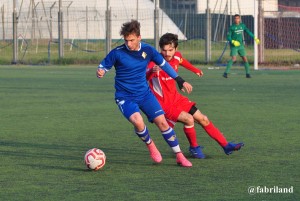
x,y
132,27
168,39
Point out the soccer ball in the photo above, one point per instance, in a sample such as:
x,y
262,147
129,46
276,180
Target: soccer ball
x,y
94,159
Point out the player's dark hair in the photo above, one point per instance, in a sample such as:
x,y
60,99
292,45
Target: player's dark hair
x,y
132,27
168,39
237,15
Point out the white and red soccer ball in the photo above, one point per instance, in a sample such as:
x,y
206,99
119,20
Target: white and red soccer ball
x,y
94,159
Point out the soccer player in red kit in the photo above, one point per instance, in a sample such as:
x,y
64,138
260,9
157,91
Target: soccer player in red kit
x,y
177,107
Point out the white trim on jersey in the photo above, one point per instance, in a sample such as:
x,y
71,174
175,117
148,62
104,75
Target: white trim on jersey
x,y
163,63
177,57
102,67
157,86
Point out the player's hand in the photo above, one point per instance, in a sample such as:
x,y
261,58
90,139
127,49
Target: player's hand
x,y
257,41
187,87
156,69
100,73
235,43
200,73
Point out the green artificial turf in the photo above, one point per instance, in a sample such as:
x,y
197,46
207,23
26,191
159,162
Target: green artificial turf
x,y
51,115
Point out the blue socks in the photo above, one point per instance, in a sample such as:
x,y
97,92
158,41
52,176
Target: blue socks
x,y
144,135
170,137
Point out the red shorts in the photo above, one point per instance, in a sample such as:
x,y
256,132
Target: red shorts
x,y
173,108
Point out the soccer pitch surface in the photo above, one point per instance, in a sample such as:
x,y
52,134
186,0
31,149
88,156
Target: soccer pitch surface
x,y
51,115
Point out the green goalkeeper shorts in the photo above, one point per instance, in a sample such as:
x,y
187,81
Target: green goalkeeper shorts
x,y
234,51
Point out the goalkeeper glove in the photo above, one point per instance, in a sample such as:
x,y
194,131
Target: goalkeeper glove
x,y
257,40
235,43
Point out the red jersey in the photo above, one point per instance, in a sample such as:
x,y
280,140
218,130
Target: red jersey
x,y
162,85
164,89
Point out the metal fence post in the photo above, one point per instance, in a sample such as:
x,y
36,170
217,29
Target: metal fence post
x,y
15,34
156,24
60,31
87,27
208,37
3,25
261,31
108,27
68,21
255,64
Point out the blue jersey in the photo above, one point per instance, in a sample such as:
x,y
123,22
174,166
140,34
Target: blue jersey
x,y
130,79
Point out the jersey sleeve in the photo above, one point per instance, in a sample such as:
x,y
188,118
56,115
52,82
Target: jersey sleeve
x,y
186,64
109,61
165,66
248,31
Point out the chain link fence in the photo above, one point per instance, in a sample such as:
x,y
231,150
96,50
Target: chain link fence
x,y
84,32
282,37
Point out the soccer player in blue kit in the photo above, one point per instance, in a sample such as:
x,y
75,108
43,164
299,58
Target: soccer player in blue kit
x,y
132,90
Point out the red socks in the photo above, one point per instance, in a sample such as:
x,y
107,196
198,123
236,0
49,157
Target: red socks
x,y
210,129
190,133
214,133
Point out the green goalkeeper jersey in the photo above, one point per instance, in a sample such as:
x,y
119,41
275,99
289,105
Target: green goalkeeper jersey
x,y
236,33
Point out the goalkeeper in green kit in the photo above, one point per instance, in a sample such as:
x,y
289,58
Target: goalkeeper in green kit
x,y
235,38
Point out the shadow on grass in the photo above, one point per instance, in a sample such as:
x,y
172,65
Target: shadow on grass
x,y
132,156
38,153
37,145
55,167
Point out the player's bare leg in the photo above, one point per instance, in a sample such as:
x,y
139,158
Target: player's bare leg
x,y
190,132
229,65
170,137
137,120
247,66
141,130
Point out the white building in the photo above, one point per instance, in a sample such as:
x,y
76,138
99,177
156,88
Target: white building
x,y
82,19
233,7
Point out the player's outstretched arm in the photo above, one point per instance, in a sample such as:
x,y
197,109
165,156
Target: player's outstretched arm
x,y
106,64
186,64
257,41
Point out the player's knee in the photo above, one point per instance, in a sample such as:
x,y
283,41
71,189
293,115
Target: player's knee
x,y
203,120
187,119
137,122
161,123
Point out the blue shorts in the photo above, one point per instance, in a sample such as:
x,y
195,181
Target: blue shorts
x,y
148,104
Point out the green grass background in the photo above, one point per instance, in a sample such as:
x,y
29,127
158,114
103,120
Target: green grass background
x,y
39,53
51,115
